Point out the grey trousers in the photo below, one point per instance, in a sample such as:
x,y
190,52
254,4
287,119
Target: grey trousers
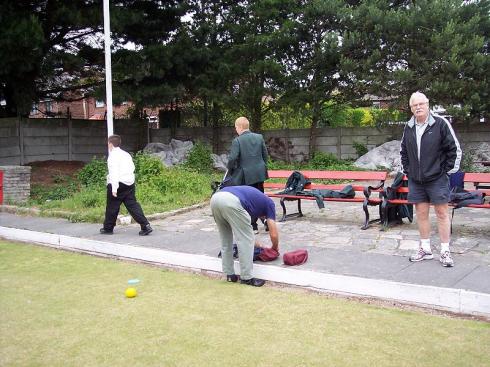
x,y
233,224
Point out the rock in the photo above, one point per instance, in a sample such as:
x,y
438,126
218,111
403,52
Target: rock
x,y
170,154
156,147
388,156
385,156
220,161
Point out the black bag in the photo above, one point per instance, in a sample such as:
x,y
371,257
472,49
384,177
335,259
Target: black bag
x,y
397,212
456,180
462,198
347,192
296,182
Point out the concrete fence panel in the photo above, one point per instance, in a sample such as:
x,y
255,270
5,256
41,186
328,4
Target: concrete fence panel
x,y
26,140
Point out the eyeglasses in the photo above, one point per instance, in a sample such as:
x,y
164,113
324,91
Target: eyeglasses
x,y
418,104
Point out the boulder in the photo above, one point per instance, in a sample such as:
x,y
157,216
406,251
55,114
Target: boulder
x,y
220,161
388,156
156,147
170,154
385,156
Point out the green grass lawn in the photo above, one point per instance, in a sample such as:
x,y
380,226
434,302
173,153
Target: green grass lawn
x,y
66,309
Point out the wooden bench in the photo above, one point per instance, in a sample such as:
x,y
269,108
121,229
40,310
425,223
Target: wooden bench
x,y
355,178
479,181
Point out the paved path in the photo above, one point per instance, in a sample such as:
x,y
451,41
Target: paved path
x,y
342,257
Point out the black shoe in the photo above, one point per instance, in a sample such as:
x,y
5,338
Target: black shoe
x,y
146,231
254,282
106,231
232,278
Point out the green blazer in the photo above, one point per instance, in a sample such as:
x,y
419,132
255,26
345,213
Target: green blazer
x,y
247,162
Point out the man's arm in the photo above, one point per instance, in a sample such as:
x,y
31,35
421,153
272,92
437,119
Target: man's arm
x,y
113,174
265,154
273,234
403,153
234,155
451,147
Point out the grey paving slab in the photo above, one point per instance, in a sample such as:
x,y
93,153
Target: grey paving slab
x,y
431,272
477,280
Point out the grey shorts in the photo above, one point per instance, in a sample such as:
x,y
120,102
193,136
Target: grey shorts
x,y
434,192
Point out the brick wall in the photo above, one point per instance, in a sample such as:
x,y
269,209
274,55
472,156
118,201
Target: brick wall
x,y
16,184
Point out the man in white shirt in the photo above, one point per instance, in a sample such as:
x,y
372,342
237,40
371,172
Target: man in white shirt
x,y
121,188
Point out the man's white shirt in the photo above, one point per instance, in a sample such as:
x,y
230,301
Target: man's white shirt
x,y
420,129
121,168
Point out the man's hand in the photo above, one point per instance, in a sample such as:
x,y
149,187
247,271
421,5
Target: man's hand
x,y
114,194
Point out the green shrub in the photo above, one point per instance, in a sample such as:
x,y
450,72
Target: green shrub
x,y
356,116
277,165
199,158
322,160
382,116
90,198
146,166
360,148
93,173
41,194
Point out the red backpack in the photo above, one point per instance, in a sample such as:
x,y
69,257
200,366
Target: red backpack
x,y
296,257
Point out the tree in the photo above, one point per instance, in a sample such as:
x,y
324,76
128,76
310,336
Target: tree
x,y
439,47
49,47
243,53
313,58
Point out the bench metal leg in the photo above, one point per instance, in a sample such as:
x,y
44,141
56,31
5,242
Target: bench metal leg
x,y
367,222
283,205
283,210
384,215
366,215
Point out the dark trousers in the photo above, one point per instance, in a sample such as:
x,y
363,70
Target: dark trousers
x,y
126,195
258,186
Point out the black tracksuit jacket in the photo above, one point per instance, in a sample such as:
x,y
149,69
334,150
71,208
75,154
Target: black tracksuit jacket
x,y
440,152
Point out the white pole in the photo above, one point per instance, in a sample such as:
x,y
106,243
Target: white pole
x,y
108,70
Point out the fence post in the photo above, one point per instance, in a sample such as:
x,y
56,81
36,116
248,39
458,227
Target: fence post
x,y
1,187
21,141
339,143
70,138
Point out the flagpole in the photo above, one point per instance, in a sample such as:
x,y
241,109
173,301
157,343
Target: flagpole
x,y
108,69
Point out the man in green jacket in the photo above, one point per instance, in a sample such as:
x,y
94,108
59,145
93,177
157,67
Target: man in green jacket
x,y
247,162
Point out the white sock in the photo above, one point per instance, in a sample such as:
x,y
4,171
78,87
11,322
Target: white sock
x,y
425,244
444,247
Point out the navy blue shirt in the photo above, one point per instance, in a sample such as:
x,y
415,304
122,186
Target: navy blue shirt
x,y
253,201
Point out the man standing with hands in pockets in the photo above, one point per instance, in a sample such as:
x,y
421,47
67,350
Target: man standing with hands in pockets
x,y
429,152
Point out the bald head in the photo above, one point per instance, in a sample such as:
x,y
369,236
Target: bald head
x,y
241,124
